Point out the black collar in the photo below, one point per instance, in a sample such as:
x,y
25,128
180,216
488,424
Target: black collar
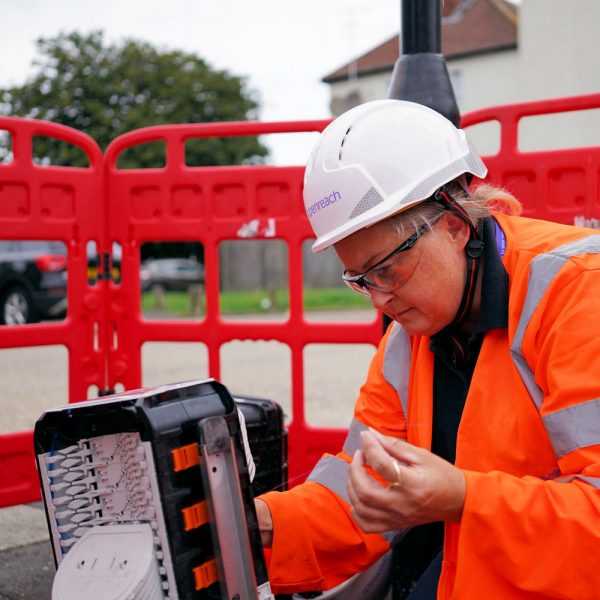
x,y
494,288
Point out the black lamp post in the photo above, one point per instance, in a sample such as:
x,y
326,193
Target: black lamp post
x,y
420,74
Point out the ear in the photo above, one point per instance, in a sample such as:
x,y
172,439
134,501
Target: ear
x,y
457,229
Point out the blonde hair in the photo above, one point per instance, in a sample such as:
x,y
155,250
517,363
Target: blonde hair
x,y
478,204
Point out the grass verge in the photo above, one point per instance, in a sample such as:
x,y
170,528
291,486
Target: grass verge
x,y
243,302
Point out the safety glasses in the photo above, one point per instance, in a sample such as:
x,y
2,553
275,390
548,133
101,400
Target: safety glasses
x,y
392,271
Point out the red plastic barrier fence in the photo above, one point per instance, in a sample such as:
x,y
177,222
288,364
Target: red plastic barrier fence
x,y
52,203
555,185
105,330
211,205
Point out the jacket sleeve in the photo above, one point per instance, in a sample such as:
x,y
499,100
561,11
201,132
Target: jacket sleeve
x,y
542,537
316,543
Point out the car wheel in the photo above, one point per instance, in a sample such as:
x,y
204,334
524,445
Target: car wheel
x,y
16,307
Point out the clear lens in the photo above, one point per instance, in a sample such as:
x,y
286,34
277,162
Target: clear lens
x,y
390,276
396,272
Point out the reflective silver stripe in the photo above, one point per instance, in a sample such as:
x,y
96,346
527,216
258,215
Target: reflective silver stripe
x,y
352,443
332,472
528,377
396,364
574,427
595,481
543,270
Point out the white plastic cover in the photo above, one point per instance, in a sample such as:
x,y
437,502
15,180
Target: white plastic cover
x,y
111,562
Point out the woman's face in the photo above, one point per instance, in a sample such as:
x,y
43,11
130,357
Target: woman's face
x,y
428,299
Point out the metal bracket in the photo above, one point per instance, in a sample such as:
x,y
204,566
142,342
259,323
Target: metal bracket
x,y
230,531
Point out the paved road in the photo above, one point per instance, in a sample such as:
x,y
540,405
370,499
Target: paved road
x,y
35,379
26,562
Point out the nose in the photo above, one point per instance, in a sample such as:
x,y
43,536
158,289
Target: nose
x,y
380,299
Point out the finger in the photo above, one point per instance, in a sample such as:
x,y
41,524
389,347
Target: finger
x,y
358,459
374,500
401,466
364,511
379,459
399,449
373,507
369,526
360,476
360,479
369,498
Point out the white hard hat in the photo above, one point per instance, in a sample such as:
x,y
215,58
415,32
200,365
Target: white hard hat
x,y
378,159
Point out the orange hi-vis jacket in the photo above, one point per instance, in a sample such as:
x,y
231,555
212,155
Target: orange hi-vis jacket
x,y
528,441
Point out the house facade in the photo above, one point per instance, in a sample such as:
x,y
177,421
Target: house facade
x,y
499,53
496,53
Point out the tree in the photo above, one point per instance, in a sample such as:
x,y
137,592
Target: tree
x,y
106,89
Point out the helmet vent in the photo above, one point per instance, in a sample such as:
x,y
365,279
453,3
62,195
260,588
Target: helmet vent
x,y
343,140
367,202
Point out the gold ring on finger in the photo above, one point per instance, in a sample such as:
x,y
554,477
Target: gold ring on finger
x,y
398,481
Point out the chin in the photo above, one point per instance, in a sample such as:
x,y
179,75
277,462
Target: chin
x,y
416,326
418,331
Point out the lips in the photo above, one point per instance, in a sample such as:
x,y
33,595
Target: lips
x,y
401,314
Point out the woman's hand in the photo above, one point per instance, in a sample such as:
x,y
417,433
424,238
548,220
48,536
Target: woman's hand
x,y
422,487
265,522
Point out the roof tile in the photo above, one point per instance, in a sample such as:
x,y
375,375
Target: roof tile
x,y
468,27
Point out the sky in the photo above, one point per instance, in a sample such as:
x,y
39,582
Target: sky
x,y
282,47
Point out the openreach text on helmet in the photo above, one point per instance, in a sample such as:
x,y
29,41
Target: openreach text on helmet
x,y
326,201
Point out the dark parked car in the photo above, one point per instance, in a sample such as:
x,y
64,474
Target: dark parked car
x,y
171,273
33,281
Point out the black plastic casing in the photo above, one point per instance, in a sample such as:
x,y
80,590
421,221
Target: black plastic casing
x,y
167,417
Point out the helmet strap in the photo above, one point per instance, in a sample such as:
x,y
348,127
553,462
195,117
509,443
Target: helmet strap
x,y
473,250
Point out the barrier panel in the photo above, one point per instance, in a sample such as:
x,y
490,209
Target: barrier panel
x,y
556,185
104,330
212,205
63,204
